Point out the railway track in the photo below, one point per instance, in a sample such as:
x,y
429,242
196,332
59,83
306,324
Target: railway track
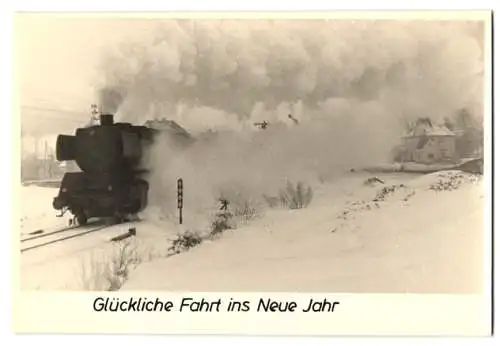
x,y
43,234
59,235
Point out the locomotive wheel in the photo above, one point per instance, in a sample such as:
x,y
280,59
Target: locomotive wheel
x,y
81,219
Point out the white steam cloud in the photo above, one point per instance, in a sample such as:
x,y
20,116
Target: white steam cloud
x,y
350,83
234,65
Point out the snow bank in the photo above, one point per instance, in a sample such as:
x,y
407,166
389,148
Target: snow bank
x,y
395,236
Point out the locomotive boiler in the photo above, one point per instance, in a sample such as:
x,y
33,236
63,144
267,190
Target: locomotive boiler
x,y
111,182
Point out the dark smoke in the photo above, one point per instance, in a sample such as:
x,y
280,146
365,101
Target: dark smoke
x,y
110,99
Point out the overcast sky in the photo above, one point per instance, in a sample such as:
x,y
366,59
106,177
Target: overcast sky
x,y
56,62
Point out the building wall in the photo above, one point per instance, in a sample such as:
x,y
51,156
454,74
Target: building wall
x,y
410,147
435,149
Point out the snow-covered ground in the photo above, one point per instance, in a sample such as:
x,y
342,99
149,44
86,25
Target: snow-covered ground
x,y
412,239
36,209
72,264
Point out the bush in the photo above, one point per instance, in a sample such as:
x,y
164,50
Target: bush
x,y
123,259
385,191
246,212
185,241
109,273
449,181
292,196
240,207
221,223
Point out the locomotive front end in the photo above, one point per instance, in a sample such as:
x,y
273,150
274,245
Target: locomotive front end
x,y
109,183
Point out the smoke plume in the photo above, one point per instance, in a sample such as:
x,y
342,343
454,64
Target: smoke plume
x,y
351,85
110,99
233,65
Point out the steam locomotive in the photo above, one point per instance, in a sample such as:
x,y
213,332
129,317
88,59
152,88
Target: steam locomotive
x,y
111,183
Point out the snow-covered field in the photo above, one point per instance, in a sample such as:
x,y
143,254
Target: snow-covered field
x,y
412,239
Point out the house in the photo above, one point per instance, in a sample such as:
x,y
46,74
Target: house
x,y
428,143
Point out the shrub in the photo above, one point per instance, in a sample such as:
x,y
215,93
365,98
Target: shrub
x,y
239,206
109,273
292,196
222,222
185,241
125,257
385,191
449,181
245,212
245,209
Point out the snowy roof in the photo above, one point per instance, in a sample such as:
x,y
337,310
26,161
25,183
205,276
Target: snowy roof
x,y
424,127
440,131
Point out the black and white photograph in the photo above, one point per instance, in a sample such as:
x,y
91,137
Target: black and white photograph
x,y
253,154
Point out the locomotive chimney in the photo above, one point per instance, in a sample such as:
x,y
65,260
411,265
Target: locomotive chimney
x,y
106,119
